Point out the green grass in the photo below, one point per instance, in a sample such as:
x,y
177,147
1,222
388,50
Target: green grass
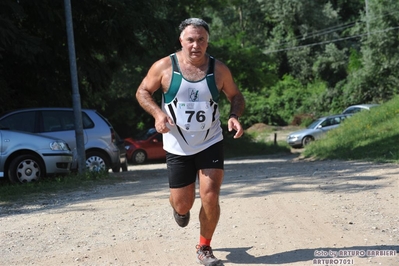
x,y
369,135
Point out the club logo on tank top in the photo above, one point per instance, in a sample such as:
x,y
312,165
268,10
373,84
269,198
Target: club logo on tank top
x,y
193,95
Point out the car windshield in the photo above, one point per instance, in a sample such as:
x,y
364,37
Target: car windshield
x,y
314,123
146,134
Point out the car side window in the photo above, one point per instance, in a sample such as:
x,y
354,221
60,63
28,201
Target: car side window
x,y
57,121
326,123
355,110
86,121
159,137
63,121
23,121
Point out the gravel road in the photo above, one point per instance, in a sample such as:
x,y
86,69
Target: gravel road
x,y
277,210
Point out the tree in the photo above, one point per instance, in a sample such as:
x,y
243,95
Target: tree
x,y
35,65
377,78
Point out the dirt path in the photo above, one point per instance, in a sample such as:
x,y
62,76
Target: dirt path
x,y
275,211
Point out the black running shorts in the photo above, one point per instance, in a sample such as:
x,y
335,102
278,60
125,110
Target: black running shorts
x,y
182,169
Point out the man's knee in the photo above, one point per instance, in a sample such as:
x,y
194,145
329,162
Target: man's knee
x,y
210,197
181,207
182,200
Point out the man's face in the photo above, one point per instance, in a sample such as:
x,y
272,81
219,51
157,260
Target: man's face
x,y
194,41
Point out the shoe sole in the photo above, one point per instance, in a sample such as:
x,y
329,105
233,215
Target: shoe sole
x,y
182,222
215,263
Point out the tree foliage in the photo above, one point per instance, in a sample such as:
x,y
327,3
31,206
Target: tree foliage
x,y
376,80
288,57
107,34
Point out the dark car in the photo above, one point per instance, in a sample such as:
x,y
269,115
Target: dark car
x,y
146,146
26,157
104,148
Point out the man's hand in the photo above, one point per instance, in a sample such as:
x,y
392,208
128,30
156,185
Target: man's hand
x,y
161,123
234,124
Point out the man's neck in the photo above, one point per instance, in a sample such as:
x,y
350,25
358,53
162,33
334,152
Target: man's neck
x,y
196,62
194,70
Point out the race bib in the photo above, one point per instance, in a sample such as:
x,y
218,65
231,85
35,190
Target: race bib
x,y
194,116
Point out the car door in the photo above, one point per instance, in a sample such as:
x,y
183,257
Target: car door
x,y
157,150
1,155
60,124
332,123
325,126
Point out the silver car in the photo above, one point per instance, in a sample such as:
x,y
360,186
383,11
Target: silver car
x,y
353,109
103,147
314,131
26,157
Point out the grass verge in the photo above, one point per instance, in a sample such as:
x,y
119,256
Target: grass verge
x,y
10,192
369,135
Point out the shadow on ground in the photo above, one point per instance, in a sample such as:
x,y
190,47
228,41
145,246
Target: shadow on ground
x,y
240,255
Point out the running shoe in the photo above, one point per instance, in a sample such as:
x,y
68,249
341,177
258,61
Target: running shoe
x,y
181,220
205,256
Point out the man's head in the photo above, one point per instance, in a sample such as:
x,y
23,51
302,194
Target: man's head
x,y
194,38
195,22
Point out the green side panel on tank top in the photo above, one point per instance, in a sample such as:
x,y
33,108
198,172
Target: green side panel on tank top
x,y
210,80
173,88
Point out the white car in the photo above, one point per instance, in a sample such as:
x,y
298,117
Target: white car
x,y
359,107
26,157
315,130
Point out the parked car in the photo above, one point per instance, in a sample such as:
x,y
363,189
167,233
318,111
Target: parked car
x,y
26,157
359,107
146,146
103,146
314,131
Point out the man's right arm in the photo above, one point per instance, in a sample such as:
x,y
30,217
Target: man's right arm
x,y
149,85
154,80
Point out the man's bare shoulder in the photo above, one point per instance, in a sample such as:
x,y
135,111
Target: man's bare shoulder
x,y
219,65
163,64
221,68
160,74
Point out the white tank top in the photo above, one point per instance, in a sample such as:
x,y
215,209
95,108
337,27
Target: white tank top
x,y
193,106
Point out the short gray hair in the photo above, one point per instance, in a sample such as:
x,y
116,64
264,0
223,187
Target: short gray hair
x,y
195,22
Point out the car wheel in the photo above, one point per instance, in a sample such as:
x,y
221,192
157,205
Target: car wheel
x,y
96,162
25,168
306,140
139,156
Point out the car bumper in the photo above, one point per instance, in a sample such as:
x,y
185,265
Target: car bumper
x,y
58,164
115,156
294,141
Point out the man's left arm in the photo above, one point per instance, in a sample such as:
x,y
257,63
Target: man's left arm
x,y
233,94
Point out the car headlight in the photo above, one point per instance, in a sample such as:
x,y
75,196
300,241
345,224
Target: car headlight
x,y
59,145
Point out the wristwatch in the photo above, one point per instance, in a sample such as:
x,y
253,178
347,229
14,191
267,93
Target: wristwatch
x,y
233,115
